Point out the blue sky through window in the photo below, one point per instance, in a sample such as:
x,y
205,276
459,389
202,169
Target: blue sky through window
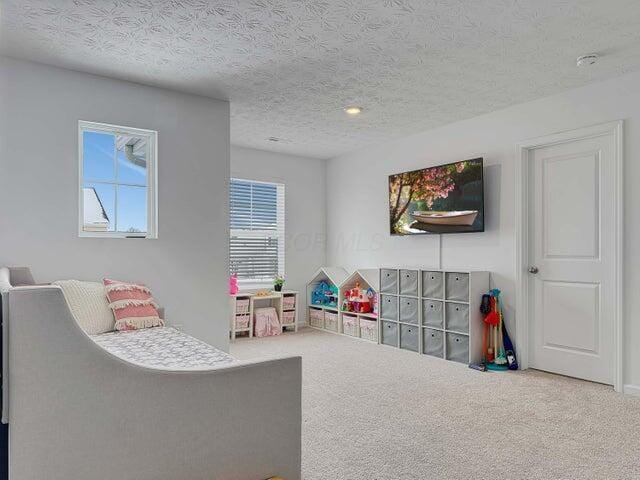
x,y
98,150
119,183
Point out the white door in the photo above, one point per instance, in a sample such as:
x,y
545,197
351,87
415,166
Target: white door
x,y
572,267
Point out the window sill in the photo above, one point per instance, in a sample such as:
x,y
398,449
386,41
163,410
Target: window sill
x,y
83,234
253,286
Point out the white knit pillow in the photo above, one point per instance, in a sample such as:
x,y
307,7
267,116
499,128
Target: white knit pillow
x,y
88,304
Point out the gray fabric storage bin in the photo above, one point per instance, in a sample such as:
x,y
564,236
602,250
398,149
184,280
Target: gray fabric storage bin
x,y
390,333
432,313
457,347
388,281
389,307
457,286
433,342
409,310
432,284
409,282
457,315
409,337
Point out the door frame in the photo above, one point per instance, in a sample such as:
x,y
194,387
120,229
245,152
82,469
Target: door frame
x,y
522,236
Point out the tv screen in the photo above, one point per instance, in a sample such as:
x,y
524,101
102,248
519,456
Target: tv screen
x,y
444,199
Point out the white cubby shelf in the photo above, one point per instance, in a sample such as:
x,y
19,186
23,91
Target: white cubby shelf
x,y
243,305
364,321
358,324
433,312
428,311
325,315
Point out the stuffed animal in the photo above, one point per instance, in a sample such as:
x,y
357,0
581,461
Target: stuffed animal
x,y
373,300
233,284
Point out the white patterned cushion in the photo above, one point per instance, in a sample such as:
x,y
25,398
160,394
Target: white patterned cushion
x,y
88,304
164,348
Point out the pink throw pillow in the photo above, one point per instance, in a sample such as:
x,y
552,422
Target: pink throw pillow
x,y
133,305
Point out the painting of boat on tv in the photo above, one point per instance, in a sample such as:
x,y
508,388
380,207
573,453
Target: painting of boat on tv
x,y
444,199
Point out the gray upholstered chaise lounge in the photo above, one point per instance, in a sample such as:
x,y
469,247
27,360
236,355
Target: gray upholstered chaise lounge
x,y
77,412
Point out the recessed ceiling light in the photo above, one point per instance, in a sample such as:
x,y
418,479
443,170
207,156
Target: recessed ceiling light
x,y
586,60
353,110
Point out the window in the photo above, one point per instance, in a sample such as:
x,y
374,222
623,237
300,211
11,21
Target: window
x,y
256,244
117,181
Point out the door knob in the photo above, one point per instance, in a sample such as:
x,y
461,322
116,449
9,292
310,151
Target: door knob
x,y
533,270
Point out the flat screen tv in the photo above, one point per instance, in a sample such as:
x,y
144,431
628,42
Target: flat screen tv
x,y
444,199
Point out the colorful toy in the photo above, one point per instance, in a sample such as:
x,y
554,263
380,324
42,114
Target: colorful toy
x,y
356,300
325,294
318,293
490,337
501,358
233,284
508,350
496,338
333,296
373,300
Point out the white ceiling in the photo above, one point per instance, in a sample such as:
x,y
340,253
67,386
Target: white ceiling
x,y
289,66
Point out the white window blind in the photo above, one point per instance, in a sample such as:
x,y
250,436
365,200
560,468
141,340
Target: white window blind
x,y
256,244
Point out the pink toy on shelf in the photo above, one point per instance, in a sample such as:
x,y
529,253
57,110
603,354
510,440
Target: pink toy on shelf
x,y
357,300
233,284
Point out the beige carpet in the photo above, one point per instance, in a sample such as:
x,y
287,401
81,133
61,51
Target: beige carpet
x,y
378,413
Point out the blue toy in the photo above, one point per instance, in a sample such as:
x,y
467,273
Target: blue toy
x,y
332,296
325,294
318,293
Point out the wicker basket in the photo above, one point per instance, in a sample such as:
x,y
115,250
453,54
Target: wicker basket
x,y
289,302
331,321
350,325
316,317
288,318
242,305
242,321
369,330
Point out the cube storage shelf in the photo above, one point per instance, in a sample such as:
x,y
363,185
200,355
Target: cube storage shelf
x,y
243,306
358,324
433,312
332,318
321,315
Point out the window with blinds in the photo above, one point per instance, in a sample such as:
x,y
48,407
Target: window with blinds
x,y
256,243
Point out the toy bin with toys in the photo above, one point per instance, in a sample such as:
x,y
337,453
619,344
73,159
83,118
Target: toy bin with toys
x,y
323,298
359,299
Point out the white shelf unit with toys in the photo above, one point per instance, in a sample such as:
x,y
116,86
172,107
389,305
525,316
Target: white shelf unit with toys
x,y
323,298
358,304
243,307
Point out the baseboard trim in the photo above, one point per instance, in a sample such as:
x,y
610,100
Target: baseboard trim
x,y
631,390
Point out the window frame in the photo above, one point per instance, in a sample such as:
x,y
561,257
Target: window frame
x,y
152,178
253,283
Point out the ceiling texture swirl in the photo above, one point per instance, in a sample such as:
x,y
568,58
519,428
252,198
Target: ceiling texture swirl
x,y
288,67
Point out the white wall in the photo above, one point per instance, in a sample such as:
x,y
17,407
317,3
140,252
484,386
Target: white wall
x,y
187,265
358,182
304,180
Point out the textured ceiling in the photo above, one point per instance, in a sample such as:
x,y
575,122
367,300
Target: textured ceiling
x,y
289,66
